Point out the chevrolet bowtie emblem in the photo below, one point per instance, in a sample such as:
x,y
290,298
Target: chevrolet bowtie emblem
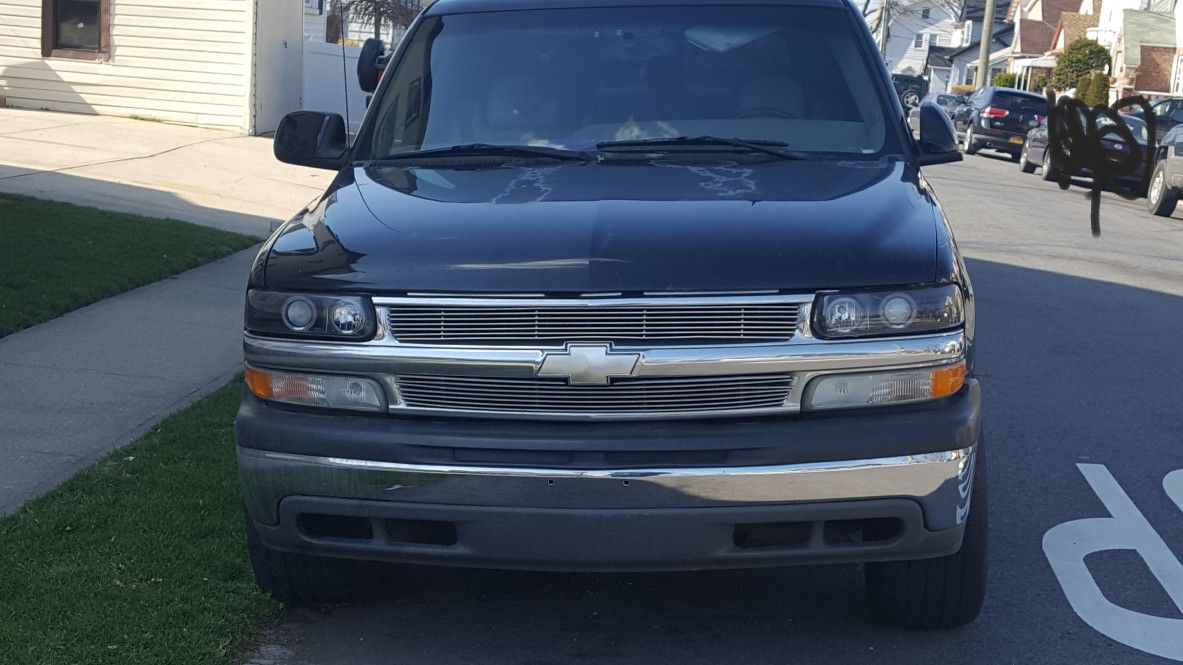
x,y
588,365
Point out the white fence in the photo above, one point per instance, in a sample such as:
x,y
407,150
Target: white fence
x,y
326,81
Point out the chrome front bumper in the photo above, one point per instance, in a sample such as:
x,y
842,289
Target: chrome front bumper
x,y
939,482
655,519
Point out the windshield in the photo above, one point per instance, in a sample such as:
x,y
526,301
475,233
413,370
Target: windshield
x,y
574,78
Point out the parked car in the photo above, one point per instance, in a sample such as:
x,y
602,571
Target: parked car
x,y
1036,152
1166,177
910,89
949,103
999,118
1168,112
551,313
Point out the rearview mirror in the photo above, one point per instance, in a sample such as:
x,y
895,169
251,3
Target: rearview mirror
x,y
938,141
311,138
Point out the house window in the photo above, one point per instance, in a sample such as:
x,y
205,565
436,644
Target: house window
x,y
925,13
919,41
75,29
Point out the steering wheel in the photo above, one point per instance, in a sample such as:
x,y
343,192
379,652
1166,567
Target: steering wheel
x,y
767,112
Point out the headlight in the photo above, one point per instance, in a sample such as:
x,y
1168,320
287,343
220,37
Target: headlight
x,y
324,390
879,313
846,391
310,315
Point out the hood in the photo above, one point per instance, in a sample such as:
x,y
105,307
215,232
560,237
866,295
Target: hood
x,y
576,228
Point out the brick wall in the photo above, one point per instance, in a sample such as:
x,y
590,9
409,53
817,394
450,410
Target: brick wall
x,y
1154,74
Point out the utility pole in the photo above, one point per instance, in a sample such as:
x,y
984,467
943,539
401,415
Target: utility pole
x,y
884,26
980,81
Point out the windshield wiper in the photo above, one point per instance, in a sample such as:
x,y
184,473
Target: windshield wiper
x,y
488,149
774,148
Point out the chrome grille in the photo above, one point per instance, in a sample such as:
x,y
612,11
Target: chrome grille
x,y
649,396
649,323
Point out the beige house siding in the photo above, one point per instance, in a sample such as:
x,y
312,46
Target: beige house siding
x,y
185,61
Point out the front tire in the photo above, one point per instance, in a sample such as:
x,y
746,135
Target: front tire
x,y
1024,164
941,593
1049,172
301,578
1160,198
971,146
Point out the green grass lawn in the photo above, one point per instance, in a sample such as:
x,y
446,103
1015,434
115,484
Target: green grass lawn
x,y
57,257
139,559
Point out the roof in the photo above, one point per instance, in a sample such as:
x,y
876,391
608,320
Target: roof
x,y
995,56
975,10
441,7
1013,9
1001,37
1074,25
941,56
1036,36
1033,36
1141,28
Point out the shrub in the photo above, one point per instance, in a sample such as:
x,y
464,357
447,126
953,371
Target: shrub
x,y
1098,90
1038,83
1082,56
1004,79
963,89
1082,88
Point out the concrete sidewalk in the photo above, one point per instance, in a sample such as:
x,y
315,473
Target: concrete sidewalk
x,y
203,176
75,388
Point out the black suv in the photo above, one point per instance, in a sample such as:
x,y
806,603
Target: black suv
x,y
910,89
999,118
626,286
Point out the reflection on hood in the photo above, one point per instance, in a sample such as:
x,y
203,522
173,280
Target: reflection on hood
x,y
656,180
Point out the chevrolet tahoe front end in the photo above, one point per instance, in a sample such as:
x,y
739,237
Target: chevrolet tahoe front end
x,y
622,355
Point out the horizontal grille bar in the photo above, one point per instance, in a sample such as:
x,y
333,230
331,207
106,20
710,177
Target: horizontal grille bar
x,y
623,396
672,324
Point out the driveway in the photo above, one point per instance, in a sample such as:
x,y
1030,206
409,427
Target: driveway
x,y
204,176
1080,363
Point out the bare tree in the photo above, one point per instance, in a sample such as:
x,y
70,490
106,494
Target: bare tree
x,y
381,13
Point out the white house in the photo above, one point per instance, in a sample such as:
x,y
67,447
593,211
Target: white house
x,y
914,26
936,39
1177,70
1142,42
230,64
1112,16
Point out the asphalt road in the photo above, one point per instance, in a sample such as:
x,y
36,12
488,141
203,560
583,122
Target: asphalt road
x,y
1079,355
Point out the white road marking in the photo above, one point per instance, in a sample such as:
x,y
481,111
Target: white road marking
x,y
1066,545
1173,486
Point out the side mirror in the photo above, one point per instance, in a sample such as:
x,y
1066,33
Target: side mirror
x,y
938,140
1177,116
311,138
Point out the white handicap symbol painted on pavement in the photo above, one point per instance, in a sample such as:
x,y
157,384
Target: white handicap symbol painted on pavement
x,y
1066,546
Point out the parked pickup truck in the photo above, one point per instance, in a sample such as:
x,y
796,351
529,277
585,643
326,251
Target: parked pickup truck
x,y
631,286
